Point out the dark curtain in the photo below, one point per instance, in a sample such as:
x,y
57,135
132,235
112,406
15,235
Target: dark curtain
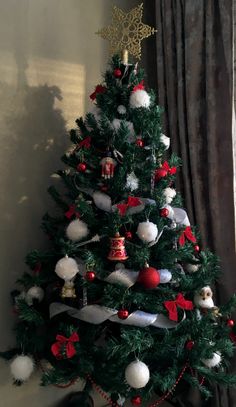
x,y
189,62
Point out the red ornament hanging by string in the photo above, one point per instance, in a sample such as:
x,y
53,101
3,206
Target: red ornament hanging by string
x,y
149,277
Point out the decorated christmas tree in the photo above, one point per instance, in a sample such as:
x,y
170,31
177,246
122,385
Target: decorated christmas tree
x,y
122,299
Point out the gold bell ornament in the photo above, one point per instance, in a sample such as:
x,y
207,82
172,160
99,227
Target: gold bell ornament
x,y
117,250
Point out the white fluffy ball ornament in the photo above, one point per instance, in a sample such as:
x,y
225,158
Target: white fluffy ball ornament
x,y
139,98
34,293
77,230
121,109
66,268
214,361
137,374
147,231
169,194
165,140
22,367
191,268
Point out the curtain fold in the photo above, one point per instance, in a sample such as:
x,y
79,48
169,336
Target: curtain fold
x,y
193,74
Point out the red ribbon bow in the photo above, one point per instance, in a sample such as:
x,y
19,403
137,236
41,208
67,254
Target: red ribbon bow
x,y
187,234
180,301
140,86
67,344
131,202
164,170
86,143
98,89
71,211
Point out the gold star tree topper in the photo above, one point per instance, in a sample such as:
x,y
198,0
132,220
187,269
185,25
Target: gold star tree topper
x,y
126,32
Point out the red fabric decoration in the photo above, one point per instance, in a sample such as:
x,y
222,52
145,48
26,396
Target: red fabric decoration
x,y
131,202
86,143
180,301
164,170
71,211
68,343
140,86
187,234
98,89
122,208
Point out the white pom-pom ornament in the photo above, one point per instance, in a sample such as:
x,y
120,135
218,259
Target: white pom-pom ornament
x,y
169,194
66,268
121,109
34,293
77,230
214,361
139,98
165,140
22,367
137,374
147,231
191,268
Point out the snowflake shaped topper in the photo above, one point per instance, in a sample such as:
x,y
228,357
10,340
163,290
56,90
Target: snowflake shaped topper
x,y
126,31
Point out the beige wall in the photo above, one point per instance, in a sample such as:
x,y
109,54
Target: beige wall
x,y
50,61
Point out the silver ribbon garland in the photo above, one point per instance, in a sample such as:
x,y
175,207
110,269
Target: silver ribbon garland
x,y
97,314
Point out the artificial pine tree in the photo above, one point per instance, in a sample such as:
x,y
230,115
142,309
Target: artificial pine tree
x,y
123,298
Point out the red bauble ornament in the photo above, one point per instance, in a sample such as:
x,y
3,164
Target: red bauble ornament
x,y
123,313
196,248
90,275
230,323
128,234
189,345
117,73
81,167
136,401
164,212
149,277
140,142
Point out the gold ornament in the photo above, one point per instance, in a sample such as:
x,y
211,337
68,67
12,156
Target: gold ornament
x,y
126,32
117,250
68,290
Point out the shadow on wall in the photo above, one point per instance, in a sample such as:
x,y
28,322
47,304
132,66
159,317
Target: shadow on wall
x,y
32,135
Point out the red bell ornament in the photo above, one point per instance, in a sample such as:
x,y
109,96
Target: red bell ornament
x,y
149,277
117,250
108,167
